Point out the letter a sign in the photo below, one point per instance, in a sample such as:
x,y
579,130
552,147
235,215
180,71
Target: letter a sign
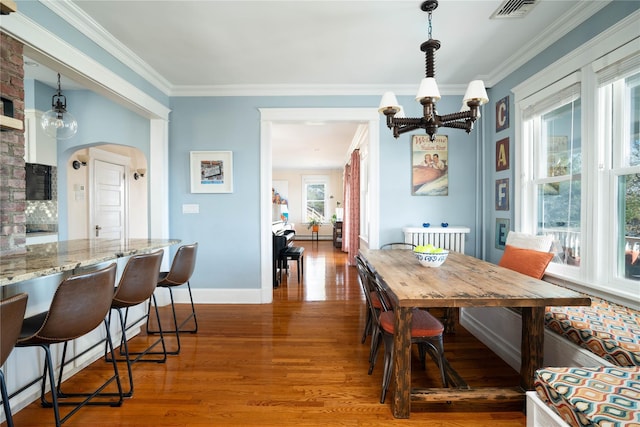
x,y
502,155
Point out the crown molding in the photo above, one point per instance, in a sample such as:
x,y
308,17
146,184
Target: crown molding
x,y
307,90
47,48
78,19
569,21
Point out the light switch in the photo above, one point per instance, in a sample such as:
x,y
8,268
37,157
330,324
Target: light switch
x,y
190,209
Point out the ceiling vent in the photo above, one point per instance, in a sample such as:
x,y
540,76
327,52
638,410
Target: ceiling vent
x,y
514,9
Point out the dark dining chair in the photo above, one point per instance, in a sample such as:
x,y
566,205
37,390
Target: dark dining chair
x,y
79,305
182,267
373,306
136,285
12,311
426,331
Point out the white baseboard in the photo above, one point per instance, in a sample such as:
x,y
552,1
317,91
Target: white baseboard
x,y
214,296
500,330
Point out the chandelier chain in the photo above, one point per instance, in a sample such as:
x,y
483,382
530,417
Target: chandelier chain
x,y
430,28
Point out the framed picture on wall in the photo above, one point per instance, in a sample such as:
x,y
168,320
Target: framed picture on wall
x,y
430,166
211,171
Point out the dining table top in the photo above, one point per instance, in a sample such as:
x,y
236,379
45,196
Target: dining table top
x,y
463,281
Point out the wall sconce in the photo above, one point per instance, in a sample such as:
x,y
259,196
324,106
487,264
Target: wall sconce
x,y
82,161
139,173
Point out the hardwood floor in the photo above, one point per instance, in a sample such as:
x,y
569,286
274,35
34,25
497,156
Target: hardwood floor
x,y
298,361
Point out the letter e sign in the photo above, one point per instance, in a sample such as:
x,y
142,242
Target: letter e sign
x,y
502,155
502,114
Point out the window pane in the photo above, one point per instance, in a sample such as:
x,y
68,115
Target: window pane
x,y
633,91
559,216
629,208
560,152
315,202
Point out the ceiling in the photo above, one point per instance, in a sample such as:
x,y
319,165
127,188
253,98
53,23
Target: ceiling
x,y
299,47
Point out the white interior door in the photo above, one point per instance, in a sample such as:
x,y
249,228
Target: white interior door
x,y
108,207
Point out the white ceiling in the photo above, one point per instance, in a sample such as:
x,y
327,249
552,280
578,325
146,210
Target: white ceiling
x,y
211,47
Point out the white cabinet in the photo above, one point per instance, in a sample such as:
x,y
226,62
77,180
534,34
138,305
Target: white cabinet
x,y
39,147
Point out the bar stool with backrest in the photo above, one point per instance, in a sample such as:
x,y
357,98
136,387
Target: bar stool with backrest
x,y
11,316
136,285
182,267
79,305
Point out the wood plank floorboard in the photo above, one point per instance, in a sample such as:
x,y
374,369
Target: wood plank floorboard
x,y
296,362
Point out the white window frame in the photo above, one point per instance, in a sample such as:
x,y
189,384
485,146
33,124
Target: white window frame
x,y
596,274
316,179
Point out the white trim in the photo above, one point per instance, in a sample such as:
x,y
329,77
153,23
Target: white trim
x,y
541,415
270,115
576,16
307,89
78,18
47,48
615,36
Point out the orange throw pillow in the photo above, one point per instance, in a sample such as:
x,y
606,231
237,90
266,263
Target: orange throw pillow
x,y
525,261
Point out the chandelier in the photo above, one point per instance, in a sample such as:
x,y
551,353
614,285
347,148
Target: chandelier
x,y
58,122
428,95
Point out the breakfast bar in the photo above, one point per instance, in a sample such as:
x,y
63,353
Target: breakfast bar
x,y
462,281
38,270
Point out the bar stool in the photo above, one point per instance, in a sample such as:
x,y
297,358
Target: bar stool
x,y
137,283
182,267
79,305
11,315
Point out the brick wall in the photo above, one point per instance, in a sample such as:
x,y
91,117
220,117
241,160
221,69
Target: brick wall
x,y
12,175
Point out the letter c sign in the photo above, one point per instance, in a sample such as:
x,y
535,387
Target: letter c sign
x,y
502,114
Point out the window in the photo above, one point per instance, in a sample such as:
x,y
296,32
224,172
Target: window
x,y
315,197
579,167
620,98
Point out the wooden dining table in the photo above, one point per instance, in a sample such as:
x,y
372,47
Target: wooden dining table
x,y
462,281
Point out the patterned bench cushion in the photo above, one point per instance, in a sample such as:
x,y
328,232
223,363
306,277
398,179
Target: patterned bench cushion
x,y
609,330
602,397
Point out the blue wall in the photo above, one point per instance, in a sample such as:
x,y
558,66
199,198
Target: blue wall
x,y
227,227
608,16
228,224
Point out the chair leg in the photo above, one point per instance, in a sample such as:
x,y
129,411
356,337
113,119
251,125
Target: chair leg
x,y
57,393
177,328
140,354
367,327
5,400
388,364
375,345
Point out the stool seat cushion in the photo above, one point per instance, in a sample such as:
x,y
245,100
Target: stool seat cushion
x,y
294,251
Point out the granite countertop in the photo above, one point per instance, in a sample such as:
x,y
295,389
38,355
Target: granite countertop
x,y
51,258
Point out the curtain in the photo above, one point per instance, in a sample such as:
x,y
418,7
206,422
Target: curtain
x,y
353,213
347,209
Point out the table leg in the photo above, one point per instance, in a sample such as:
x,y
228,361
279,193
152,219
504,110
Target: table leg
x,y
532,348
401,403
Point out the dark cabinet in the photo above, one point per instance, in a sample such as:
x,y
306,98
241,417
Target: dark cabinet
x,y
337,234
